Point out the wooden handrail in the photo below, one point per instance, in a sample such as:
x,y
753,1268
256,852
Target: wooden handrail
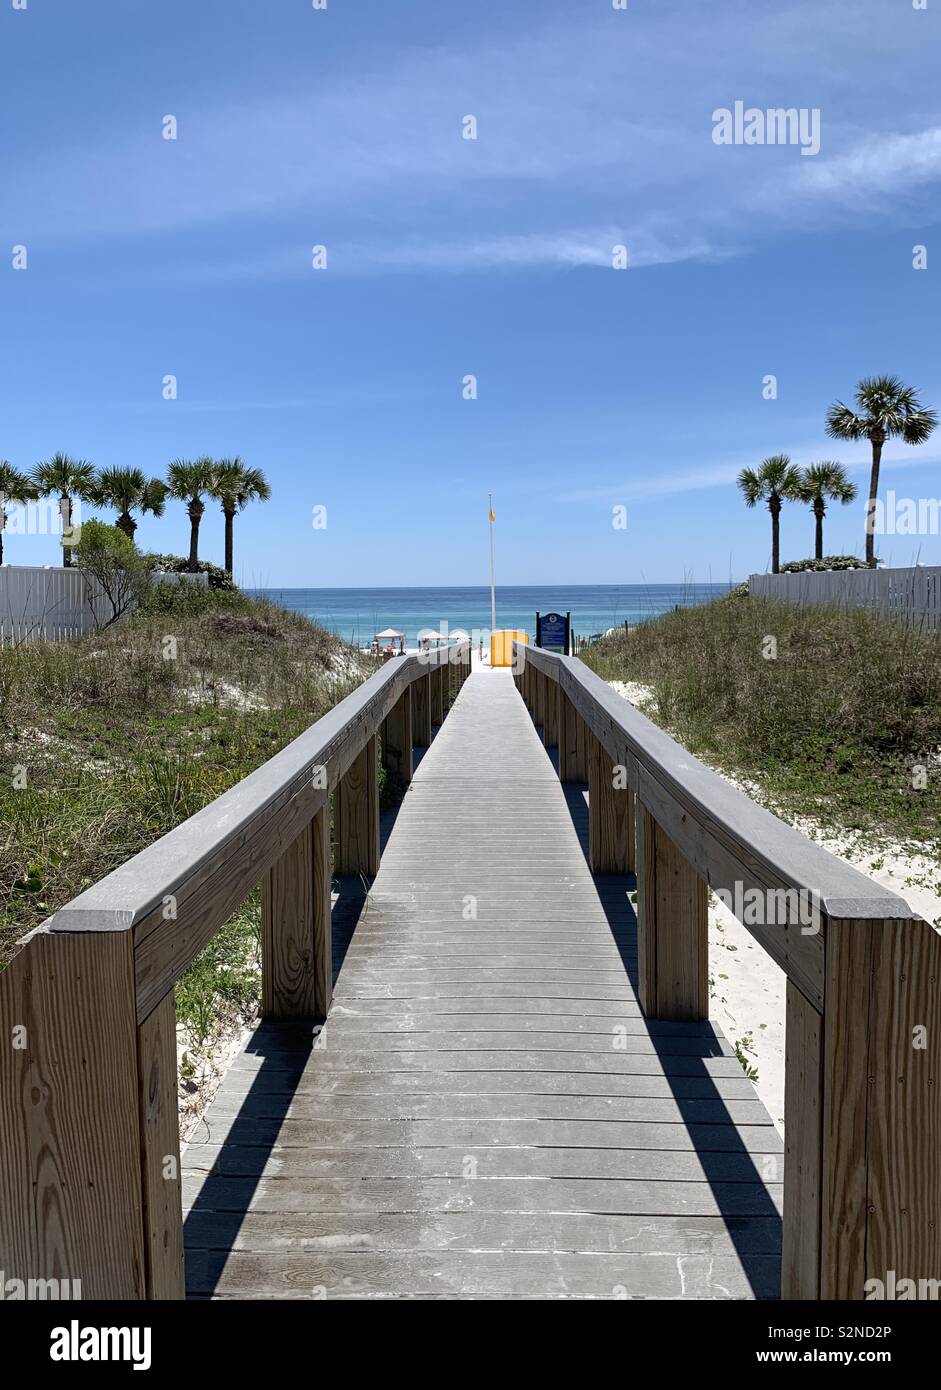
x,y
732,842
176,894
89,1138
862,1179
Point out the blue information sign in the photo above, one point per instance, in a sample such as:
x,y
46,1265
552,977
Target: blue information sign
x,y
553,631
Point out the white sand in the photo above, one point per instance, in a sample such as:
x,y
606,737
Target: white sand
x,y
747,990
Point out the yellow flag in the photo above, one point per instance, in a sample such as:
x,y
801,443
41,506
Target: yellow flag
x,y
492,517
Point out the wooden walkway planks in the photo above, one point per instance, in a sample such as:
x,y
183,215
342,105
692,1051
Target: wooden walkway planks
x,y
486,1114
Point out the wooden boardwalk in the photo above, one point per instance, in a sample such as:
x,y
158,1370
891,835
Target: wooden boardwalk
x,y
486,1112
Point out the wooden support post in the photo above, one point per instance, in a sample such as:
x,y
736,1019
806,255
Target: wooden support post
x,y
539,699
160,1152
296,940
397,738
72,1097
803,1119
862,1178
323,909
610,814
672,927
421,709
437,694
356,815
550,729
287,933
573,742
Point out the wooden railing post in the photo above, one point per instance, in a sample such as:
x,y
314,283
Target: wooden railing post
x,y
160,1152
437,692
356,815
87,1119
672,927
297,948
550,728
421,709
539,699
396,738
573,742
862,1175
455,674
610,813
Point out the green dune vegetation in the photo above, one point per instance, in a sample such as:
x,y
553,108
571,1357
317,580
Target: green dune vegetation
x,y
115,738
833,714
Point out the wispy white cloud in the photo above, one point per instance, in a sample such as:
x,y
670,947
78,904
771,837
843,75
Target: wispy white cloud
x,y
654,482
874,166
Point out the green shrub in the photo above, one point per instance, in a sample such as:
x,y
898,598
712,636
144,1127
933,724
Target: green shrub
x,y
112,565
835,725
179,564
828,562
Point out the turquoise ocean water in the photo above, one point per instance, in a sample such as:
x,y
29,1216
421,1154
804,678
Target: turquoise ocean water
x,y
356,614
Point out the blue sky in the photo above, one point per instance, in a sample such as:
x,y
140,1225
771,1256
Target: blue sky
x,y
446,257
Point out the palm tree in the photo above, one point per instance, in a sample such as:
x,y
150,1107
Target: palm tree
x,y
189,481
776,481
886,410
235,485
821,482
69,478
128,490
14,487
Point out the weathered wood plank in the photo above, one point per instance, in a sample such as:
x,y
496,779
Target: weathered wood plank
x,y
160,1153
288,970
803,1115
356,816
720,1186
672,928
881,1148
550,728
480,1275
421,709
71,1200
322,907
610,814
574,1232
397,739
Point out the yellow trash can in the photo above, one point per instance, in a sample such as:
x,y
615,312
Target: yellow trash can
x,y
501,646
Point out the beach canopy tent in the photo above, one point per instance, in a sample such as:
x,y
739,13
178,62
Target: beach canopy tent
x,y
389,636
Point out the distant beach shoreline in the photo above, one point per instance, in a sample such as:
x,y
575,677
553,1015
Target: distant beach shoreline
x,y
356,614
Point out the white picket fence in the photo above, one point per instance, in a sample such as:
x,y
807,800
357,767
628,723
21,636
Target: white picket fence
x,y
912,596
50,605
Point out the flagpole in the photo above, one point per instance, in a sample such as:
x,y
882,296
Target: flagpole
x,y
493,592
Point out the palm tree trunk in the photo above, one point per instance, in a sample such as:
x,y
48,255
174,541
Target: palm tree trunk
x,y
818,539
878,439
127,524
775,536
196,513
3,522
67,521
229,528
